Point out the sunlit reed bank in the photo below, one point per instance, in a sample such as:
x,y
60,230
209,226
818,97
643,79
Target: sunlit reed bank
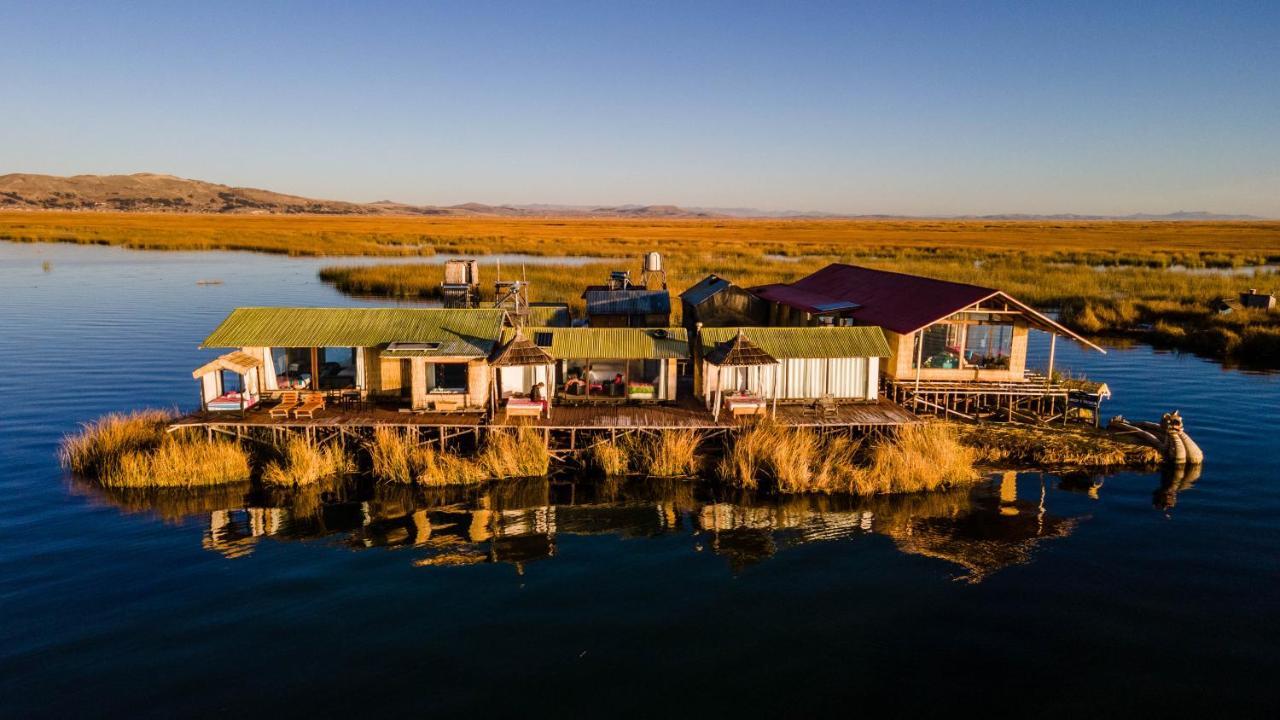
x,y
665,453
520,454
668,453
398,458
1031,446
799,460
552,236
133,450
305,462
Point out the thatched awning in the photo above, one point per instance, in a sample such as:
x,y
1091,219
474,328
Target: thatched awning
x,y
521,351
237,362
739,352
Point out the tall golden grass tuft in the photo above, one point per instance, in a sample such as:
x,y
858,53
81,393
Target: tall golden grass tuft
x,y
181,463
611,458
100,444
438,468
515,455
132,450
392,455
922,457
744,462
305,462
669,453
799,460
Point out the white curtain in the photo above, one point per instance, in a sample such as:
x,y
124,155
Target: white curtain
x,y
360,370
211,385
268,370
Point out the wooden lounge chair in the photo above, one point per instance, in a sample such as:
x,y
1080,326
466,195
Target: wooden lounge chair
x,y
288,401
309,406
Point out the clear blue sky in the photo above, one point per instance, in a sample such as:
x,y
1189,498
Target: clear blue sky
x,y
1108,107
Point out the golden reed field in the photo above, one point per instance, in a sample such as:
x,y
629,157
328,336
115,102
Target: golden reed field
x,y
401,235
1105,277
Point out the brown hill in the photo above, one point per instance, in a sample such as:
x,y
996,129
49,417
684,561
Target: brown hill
x,y
148,192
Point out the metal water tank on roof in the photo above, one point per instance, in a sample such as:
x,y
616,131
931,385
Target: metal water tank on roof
x,y
653,262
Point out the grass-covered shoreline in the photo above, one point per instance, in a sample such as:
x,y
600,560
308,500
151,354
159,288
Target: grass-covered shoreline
x,y
135,450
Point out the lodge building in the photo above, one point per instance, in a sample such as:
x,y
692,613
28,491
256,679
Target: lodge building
x,y
842,337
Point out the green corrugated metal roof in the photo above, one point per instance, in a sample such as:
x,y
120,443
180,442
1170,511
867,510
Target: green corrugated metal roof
x,y
460,333
805,342
547,316
613,343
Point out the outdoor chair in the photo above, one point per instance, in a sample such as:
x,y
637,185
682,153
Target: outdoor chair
x,y
309,407
288,402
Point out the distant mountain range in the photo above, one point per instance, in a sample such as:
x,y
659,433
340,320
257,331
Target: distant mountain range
x,y
149,192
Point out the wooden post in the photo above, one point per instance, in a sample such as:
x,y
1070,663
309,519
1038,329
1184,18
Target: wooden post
x,y
777,371
919,365
1053,342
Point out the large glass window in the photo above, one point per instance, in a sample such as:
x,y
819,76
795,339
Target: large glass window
x,y
337,368
293,367
451,376
988,346
941,346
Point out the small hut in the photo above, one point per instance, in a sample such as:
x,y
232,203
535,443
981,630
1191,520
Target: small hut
x,y
735,360
523,375
215,394
806,363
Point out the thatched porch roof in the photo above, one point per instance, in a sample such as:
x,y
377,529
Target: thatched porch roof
x,y
739,352
520,350
237,362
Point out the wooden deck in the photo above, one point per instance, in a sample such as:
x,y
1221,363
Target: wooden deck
x,y
690,414
595,416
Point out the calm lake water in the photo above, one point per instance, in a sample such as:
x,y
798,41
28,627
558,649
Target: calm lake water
x,y
1031,594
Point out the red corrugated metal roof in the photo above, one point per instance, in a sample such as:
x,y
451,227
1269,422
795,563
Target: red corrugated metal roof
x,y
894,301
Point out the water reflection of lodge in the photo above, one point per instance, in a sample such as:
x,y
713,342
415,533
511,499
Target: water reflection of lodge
x,y
978,530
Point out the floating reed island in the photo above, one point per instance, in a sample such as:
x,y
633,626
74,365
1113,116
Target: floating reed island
x,y
836,382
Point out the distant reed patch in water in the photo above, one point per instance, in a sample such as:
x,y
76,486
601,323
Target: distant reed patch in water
x,y
131,450
799,460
